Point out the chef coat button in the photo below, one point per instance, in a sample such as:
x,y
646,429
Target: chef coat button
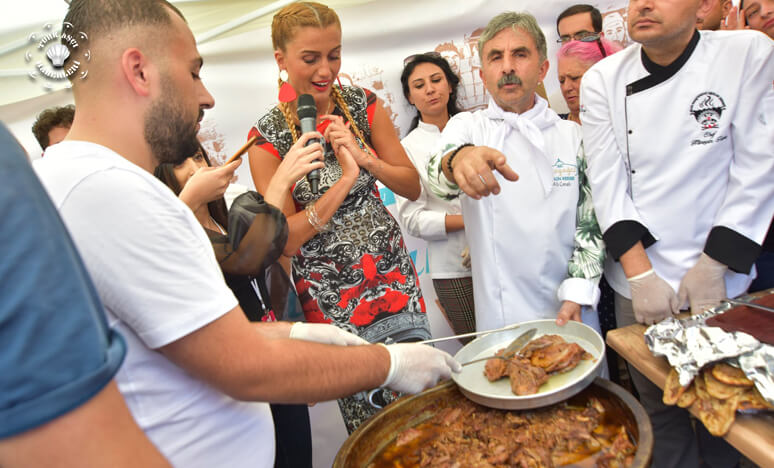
x,y
633,171
630,132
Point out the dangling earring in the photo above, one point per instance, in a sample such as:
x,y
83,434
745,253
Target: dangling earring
x,y
286,91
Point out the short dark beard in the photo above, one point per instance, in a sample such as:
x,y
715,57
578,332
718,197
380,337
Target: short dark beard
x,y
170,138
510,78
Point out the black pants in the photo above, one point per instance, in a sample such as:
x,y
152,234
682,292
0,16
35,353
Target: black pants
x,y
293,436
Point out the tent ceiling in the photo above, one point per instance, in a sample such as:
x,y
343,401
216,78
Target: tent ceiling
x,y
209,20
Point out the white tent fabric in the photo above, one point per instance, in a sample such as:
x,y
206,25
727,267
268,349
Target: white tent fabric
x,y
241,74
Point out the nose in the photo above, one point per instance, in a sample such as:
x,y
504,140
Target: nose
x,y
324,71
206,101
642,5
508,64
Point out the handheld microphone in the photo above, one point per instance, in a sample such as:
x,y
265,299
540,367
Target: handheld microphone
x,y
307,115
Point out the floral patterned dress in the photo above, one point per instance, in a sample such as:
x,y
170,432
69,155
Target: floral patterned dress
x,y
357,274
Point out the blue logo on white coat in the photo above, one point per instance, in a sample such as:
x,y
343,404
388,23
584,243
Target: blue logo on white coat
x,y
564,173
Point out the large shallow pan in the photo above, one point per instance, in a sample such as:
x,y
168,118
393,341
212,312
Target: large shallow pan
x,y
362,447
474,385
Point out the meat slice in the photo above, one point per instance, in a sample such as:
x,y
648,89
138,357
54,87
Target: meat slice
x,y
407,436
540,343
526,379
558,357
495,368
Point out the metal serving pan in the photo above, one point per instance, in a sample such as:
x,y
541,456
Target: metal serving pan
x,y
474,385
364,445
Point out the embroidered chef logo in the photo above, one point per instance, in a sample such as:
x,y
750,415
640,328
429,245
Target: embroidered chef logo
x,y
564,173
707,108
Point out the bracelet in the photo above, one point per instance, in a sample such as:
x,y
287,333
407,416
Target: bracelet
x,y
453,155
314,220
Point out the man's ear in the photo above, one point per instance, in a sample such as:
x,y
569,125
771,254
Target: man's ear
x,y
136,69
705,6
544,69
727,4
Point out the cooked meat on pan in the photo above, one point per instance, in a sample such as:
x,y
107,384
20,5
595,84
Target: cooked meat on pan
x,y
466,434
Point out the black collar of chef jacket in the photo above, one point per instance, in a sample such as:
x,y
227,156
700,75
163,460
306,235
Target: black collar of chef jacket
x,y
659,74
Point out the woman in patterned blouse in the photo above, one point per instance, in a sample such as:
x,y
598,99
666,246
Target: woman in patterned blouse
x,y
349,262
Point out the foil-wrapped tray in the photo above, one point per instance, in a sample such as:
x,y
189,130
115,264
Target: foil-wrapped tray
x,y
690,344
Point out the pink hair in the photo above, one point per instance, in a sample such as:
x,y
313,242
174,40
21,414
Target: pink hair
x,y
588,52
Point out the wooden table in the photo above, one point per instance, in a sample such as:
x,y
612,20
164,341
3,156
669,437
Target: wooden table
x,y
751,435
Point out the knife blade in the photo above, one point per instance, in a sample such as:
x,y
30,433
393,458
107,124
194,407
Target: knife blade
x,y
740,302
512,348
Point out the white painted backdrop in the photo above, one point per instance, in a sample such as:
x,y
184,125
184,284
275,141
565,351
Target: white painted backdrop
x,y
241,74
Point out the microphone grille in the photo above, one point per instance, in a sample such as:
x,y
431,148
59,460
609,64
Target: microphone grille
x,y
306,107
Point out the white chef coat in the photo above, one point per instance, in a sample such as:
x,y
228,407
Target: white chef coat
x,y
521,240
426,216
682,157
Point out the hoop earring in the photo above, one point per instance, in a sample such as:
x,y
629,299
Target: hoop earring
x,y
286,91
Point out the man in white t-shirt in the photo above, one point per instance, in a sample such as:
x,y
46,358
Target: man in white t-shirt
x,y
195,366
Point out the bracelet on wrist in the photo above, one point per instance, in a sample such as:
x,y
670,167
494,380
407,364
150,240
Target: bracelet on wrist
x,y
453,155
314,219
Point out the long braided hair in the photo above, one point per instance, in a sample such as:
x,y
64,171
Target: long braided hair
x,y
283,26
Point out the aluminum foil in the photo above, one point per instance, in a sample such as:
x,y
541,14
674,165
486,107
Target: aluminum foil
x,y
690,344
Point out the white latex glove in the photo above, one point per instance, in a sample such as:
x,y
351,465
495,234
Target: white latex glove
x,y
703,285
653,299
415,367
324,333
466,257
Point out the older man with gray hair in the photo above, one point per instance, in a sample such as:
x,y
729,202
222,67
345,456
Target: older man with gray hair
x,y
536,248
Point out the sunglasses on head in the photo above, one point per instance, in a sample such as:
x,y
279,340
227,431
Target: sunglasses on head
x,y
584,36
413,57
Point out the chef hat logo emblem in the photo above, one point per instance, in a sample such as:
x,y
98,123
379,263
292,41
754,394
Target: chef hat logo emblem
x,y
707,108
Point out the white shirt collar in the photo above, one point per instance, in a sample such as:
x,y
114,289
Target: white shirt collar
x,y
428,127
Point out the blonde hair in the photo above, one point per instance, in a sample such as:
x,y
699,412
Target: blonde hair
x,y
297,15
283,26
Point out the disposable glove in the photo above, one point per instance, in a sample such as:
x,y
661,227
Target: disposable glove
x,y
703,285
466,257
415,367
653,299
324,333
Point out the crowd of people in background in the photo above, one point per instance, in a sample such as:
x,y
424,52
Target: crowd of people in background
x,y
174,342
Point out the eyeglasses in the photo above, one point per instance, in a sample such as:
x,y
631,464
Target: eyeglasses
x,y
413,57
584,36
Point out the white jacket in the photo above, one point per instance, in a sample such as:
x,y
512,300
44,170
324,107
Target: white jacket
x,y
682,157
521,240
426,216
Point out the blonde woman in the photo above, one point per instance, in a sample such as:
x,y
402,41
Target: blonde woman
x,y
349,263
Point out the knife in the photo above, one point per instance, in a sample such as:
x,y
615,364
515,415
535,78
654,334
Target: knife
x,y
740,302
512,348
